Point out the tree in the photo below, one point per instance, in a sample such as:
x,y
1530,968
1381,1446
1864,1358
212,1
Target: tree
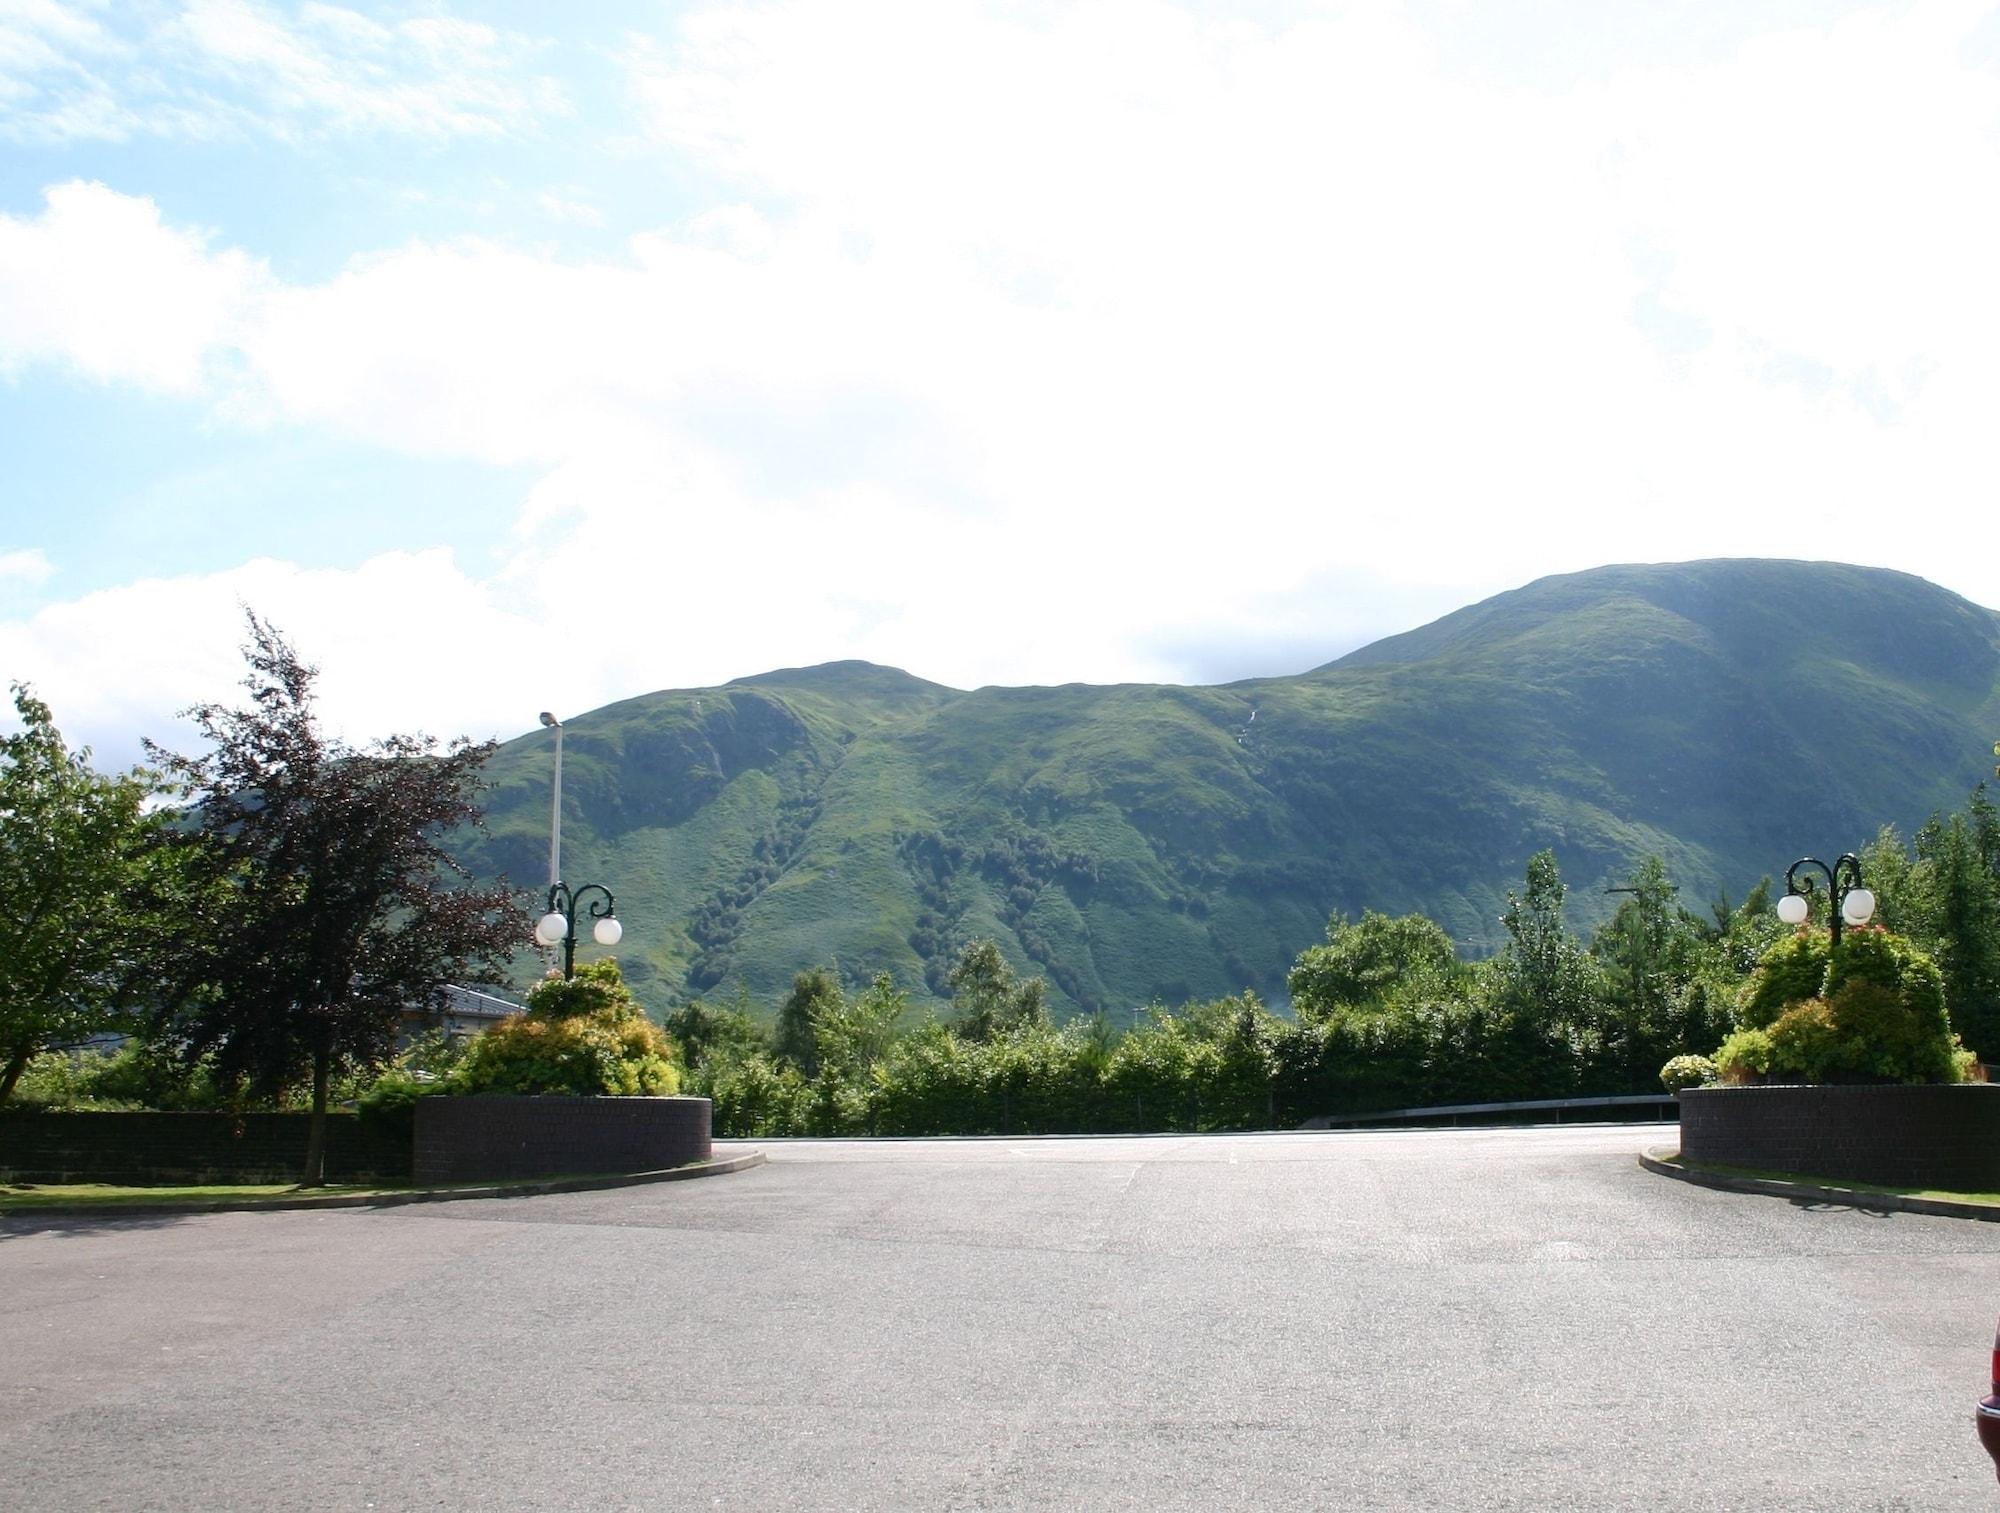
x,y
709,1035
990,1000
1366,961
79,867
1649,949
851,1035
1957,880
339,906
1544,981
815,993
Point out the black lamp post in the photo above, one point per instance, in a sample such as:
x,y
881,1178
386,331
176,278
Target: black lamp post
x,y
1852,903
559,924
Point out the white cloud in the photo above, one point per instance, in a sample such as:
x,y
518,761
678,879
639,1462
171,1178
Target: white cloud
x,y
97,281
406,641
30,566
1095,341
569,209
248,67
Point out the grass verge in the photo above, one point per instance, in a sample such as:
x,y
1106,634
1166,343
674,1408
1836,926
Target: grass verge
x,y
1836,1184
23,1197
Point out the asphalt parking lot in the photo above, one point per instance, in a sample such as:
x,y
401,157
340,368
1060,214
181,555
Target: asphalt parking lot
x,y
1508,1319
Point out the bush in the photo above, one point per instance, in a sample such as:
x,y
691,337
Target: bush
x,y
1744,1057
1878,1016
1684,1072
581,1055
1806,1045
581,1036
391,1104
756,1096
1792,970
58,1079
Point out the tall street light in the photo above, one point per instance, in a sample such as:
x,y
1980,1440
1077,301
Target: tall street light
x,y
555,803
559,924
1852,903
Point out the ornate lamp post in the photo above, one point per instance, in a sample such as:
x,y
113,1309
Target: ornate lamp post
x,y
559,924
1852,903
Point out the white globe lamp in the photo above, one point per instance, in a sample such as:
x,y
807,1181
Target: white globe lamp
x,y
550,928
1858,907
608,932
1792,908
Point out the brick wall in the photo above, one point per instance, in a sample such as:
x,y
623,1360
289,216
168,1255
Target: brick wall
x,y
478,1139
1943,1137
156,1148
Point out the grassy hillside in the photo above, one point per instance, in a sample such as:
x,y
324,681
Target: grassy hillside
x,y
1136,842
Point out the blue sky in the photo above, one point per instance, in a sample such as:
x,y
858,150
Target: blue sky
x,y
510,358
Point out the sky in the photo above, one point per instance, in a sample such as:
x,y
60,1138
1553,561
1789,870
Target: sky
x,y
513,357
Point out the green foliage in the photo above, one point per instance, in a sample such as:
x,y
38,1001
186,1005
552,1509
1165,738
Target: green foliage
x,y
1683,1072
1544,971
1746,1056
1792,969
426,1069
815,992
583,1036
1876,1014
82,874
706,1034
852,1035
59,1080
757,1096
1367,961
134,1075
595,990
990,1001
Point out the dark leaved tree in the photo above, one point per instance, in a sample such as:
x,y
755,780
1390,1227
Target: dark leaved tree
x,y
337,907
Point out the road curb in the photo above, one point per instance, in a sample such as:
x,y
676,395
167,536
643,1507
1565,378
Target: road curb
x,y
686,1173
1849,1197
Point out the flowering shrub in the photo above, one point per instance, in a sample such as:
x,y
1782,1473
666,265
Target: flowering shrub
x,y
582,1035
1684,1072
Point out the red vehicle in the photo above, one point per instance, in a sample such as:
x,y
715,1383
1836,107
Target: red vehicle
x,y
1989,1412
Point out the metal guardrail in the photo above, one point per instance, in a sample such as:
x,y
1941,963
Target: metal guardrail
x,y
1666,1104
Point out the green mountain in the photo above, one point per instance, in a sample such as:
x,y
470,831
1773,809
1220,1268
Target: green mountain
x,y
1138,842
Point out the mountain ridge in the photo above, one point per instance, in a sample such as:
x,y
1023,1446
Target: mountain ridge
x,y
1134,841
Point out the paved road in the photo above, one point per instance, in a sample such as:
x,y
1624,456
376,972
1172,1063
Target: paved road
x,y
1510,1319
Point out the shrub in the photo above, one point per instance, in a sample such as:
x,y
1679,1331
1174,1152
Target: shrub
x,y
756,1096
1806,1045
391,1103
1792,970
55,1079
581,1055
583,1035
1878,1016
1684,1072
1744,1057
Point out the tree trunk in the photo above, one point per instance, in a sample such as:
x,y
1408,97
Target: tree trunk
x,y
316,1134
16,1064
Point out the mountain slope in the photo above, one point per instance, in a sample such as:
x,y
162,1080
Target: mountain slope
x,y
1137,841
